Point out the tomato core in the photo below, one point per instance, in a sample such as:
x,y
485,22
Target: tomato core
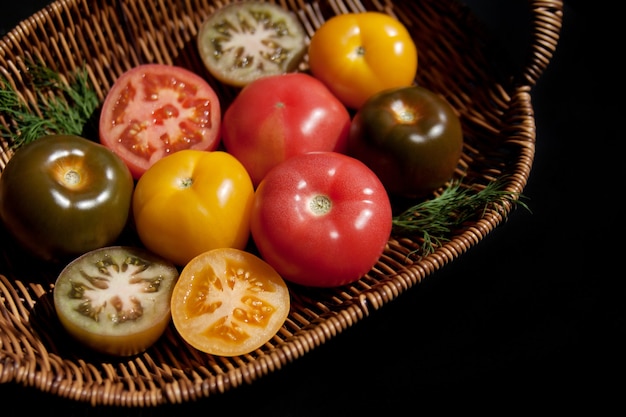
x,y
245,307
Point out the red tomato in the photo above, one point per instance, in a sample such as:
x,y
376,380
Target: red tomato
x,y
279,116
321,219
154,110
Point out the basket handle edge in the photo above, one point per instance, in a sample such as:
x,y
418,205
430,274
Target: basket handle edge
x,y
546,24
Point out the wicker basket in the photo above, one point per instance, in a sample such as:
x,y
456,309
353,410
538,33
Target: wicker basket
x,y
456,60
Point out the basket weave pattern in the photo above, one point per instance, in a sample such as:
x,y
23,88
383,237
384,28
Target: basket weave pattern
x,y
110,37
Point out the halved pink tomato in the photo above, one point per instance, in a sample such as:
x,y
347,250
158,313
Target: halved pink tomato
x,y
154,110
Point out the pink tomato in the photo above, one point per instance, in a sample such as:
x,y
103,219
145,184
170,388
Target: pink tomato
x,y
321,219
279,116
154,110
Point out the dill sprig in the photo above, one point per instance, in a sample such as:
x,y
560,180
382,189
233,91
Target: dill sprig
x,y
436,218
62,108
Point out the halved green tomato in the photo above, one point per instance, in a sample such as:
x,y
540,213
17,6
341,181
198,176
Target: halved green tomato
x,y
247,40
115,300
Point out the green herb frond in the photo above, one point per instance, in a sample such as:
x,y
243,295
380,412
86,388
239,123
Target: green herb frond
x,y
62,108
434,220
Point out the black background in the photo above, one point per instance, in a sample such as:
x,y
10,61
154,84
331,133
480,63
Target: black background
x,y
530,319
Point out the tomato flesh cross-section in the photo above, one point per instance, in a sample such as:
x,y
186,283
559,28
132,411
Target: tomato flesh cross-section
x,y
115,300
154,110
229,302
250,39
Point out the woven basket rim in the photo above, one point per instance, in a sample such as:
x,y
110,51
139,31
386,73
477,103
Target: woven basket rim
x,y
29,356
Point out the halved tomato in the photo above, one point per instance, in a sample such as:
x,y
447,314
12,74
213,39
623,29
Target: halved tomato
x,y
250,39
154,110
229,302
115,300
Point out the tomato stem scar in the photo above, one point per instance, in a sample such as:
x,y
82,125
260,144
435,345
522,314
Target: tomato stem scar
x,y
72,177
186,182
320,204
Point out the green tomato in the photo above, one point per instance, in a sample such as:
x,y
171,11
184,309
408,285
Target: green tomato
x,y
116,299
64,195
410,137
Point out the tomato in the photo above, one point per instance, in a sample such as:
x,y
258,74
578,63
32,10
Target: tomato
x,y
410,137
193,201
247,40
63,195
359,54
154,110
229,302
321,219
277,117
115,300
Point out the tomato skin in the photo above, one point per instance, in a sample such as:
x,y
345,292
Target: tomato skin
x,y
229,302
277,117
359,54
410,137
321,219
127,311
154,110
192,201
63,195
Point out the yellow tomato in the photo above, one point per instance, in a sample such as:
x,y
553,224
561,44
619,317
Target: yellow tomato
x,y
192,201
359,54
229,302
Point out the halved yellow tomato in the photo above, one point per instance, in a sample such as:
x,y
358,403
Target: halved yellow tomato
x,y
229,302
